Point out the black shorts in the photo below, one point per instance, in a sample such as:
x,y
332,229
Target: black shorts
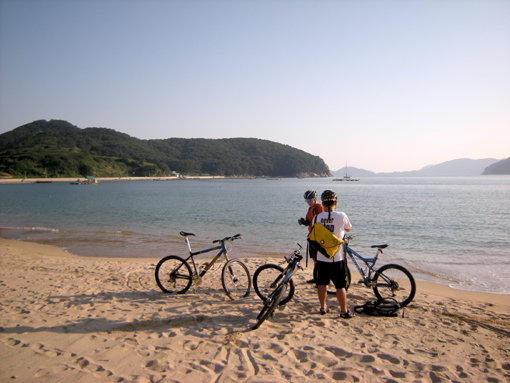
x,y
335,272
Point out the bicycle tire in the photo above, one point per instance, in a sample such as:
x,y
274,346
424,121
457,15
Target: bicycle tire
x,y
331,292
236,279
270,305
173,275
266,278
401,285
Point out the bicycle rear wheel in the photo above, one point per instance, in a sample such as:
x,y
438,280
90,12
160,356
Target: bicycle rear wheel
x,y
173,275
266,278
235,279
394,281
270,305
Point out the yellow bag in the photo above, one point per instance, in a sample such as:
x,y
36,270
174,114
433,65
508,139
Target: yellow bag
x,y
324,240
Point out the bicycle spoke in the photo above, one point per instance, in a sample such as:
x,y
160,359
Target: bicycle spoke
x,y
173,275
394,281
266,278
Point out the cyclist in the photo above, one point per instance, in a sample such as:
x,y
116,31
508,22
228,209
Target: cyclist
x,y
333,269
314,208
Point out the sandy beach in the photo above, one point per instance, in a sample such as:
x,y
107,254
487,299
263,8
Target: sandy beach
x,y
66,318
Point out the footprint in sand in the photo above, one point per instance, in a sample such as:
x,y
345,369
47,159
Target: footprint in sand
x,y
367,359
86,365
397,374
339,375
51,371
339,352
15,342
276,348
215,367
190,345
300,355
389,358
154,365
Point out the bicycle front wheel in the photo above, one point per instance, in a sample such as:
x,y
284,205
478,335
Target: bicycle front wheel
x,y
266,278
173,275
270,305
236,280
394,281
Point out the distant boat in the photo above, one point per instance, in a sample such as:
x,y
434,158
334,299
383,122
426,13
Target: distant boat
x,y
346,177
88,181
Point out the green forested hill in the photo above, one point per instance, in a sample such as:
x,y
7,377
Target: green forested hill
x,y
59,149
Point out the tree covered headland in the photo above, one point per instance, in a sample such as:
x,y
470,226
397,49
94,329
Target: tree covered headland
x,y
59,149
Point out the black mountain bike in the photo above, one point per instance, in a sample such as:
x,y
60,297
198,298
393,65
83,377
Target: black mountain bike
x,y
274,285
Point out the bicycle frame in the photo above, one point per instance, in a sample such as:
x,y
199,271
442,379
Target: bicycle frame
x,y
289,271
369,262
222,250
383,279
291,268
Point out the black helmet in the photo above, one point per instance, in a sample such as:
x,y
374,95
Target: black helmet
x,y
328,197
310,194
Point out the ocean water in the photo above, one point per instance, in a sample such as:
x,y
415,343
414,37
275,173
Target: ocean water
x,y
454,231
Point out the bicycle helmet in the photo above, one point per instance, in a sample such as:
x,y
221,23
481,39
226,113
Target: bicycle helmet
x,y
328,198
310,194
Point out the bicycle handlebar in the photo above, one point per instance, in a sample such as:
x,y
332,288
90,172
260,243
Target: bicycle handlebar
x,y
296,255
347,238
232,238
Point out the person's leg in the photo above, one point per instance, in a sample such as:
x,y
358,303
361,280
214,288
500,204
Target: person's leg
x,y
340,281
322,281
322,292
341,296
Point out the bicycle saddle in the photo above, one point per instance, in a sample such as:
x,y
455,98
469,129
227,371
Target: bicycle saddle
x,y
184,234
380,246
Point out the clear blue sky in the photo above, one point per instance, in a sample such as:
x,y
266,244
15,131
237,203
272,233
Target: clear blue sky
x,y
384,85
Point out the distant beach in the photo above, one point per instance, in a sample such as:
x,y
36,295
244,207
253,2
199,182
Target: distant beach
x,y
6,180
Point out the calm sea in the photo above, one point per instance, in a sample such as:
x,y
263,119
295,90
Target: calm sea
x,y
454,231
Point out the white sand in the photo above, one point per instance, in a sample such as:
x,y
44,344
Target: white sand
x,y
65,318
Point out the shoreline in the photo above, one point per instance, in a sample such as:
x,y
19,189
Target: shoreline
x,y
72,318
100,179
175,246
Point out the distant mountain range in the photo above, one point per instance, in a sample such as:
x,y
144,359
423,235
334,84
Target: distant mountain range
x,y
463,167
500,167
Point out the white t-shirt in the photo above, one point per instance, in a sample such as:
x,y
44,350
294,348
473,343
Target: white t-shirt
x,y
337,224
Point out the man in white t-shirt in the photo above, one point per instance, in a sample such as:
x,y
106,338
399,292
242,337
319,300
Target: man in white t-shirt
x,y
333,269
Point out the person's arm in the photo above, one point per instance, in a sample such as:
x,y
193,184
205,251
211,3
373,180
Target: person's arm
x,y
347,224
